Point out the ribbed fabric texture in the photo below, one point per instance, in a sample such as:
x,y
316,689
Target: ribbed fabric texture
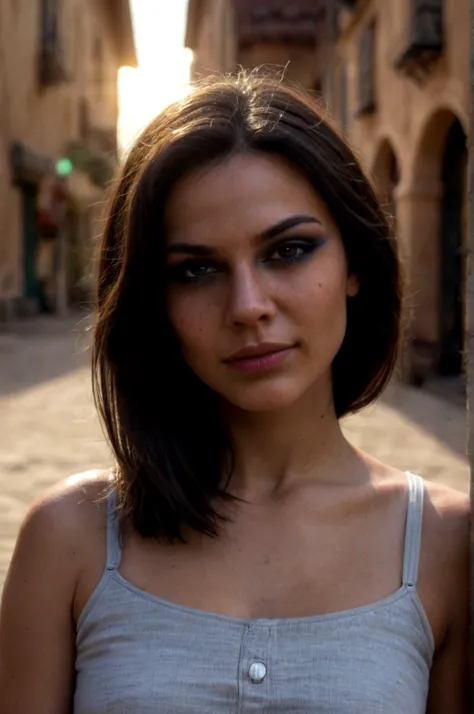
x,y
139,654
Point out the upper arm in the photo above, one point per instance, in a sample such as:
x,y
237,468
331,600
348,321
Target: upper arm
x,y
449,682
37,631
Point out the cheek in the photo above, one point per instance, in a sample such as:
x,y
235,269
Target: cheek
x,y
193,321
321,297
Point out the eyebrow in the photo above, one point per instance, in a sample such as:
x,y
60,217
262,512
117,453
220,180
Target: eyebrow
x,y
268,234
286,224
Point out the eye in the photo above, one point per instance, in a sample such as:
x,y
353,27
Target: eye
x,y
288,252
293,251
190,271
193,272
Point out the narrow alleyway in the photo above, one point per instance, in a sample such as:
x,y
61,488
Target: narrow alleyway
x,y
48,427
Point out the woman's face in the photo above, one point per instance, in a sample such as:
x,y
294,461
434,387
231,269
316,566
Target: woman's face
x,y
257,281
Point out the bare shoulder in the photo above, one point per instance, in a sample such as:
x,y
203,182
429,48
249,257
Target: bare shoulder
x,y
80,498
444,564
444,590
76,502
444,546
446,516
59,535
65,524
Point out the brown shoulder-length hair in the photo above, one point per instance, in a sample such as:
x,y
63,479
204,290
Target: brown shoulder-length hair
x,y
161,421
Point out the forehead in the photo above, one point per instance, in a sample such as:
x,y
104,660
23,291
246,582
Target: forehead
x,y
246,193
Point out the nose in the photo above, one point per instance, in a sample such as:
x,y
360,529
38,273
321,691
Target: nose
x,y
249,301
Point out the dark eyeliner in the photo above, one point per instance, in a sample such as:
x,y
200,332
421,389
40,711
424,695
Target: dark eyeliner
x,y
308,245
176,273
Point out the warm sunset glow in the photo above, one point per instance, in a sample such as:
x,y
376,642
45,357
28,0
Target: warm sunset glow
x,y
163,71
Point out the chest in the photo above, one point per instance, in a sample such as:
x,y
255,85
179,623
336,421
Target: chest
x,y
273,565
167,660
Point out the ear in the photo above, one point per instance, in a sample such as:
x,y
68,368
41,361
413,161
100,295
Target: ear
x,y
353,286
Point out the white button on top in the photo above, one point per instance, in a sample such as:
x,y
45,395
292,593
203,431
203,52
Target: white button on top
x,y
257,672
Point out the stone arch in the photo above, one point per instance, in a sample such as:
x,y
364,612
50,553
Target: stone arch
x,y
437,234
427,157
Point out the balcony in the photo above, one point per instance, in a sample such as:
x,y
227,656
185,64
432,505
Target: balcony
x,y
27,166
425,42
271,21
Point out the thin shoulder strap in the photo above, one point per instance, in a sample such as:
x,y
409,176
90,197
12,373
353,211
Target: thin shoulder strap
x,y
114,548
414,524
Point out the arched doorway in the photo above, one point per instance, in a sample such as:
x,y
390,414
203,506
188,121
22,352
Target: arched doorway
x,y
452,231
436,235
386,175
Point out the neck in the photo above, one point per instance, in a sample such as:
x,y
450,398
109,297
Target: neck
x,y
274,451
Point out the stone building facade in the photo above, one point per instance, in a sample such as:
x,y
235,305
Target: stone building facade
x,y
59,61
395,76
398,83
211,34
226,34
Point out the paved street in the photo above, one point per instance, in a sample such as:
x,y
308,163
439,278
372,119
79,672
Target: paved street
x,y
48,427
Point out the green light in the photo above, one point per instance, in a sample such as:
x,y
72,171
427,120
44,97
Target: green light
x,y
64,167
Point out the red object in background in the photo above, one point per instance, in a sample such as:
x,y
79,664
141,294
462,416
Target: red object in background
x,y
59,191
47,227
47,217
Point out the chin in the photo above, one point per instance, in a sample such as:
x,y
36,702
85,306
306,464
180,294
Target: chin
x,y
266,397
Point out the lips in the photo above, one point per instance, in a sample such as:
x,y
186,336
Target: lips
x,y
261,357
261,350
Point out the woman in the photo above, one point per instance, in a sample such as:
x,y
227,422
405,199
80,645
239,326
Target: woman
x,y
243,556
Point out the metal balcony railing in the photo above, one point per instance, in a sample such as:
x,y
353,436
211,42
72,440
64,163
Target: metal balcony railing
x,y
425,38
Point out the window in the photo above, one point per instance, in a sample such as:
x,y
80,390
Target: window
x,y
367,71
425,39
427,18
50,23
52,65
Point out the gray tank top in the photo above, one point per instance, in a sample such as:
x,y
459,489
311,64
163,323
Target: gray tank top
x,y
140,654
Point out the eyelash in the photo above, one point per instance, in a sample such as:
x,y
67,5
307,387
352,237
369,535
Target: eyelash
x,y
177,273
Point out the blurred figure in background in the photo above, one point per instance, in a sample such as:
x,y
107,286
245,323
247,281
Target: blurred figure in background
x,y
45,261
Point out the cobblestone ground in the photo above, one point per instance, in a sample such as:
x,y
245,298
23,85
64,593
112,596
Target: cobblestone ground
x,y
48,427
